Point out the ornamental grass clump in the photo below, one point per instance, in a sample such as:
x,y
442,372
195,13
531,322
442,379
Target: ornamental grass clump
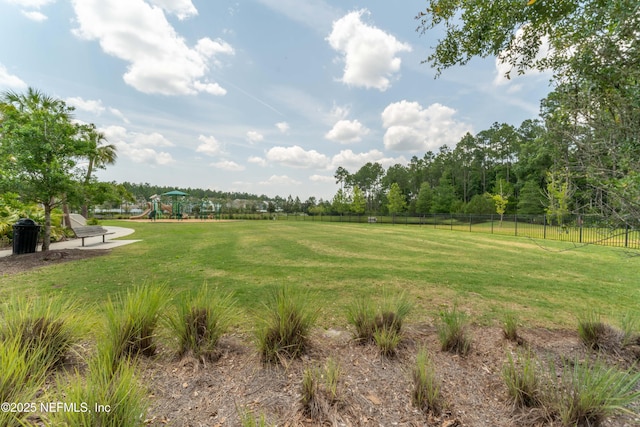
x,y
132,321
452,331
426,394
285,328
596,334
46,327
22,376
198,323
107,396
522,378
588,393
320,391
381,325
510,327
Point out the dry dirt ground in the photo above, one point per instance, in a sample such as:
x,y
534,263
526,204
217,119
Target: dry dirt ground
x,y
373,390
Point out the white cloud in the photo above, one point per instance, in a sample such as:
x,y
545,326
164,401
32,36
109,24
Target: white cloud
x,y
503,67
280,180
34,15
9,81
181,8
339,112
31,8
88,105
316,14
370,54
322,178
412,128
347,131
283,127
254,136
257,160
210,145
139,147
354,161
35,4
159,59
228,165
297,157
118,114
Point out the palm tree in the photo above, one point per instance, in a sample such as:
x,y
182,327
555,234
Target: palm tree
x,y
99,156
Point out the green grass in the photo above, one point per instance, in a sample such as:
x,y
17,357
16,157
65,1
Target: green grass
x,y
339,262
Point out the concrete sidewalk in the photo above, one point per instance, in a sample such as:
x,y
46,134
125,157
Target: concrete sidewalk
x,y
89,242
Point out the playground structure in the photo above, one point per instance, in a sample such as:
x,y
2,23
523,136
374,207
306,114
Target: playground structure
x,y
178,207
157,210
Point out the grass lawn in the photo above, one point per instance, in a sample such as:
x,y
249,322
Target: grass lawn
x,y
336,262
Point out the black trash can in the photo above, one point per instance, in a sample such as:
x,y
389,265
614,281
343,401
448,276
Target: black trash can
x,y
25,236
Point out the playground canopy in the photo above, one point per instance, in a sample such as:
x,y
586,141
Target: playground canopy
x,y
176,211
174,193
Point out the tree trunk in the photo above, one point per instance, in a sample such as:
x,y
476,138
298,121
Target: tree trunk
x,y
65,212
46,237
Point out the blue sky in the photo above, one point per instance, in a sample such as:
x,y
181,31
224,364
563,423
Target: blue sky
x,y
263,96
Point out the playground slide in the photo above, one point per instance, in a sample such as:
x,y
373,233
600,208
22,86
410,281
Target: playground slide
x,y
143,215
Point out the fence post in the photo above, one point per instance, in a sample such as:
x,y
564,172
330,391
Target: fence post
x,y
491,223
451,221
544,232
516,218
626,235
469,223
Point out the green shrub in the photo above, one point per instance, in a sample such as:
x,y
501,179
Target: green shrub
x,y
132,322
452,332
111,394
286,325
48,327
426,387
198,323
22,376
522,379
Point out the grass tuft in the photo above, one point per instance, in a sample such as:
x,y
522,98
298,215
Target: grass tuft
x,y
426,394
630,325
452,331
587,393
596,334
47,327
112,395
286,326
387,340
332,374
522,379
311,400
132,322
22,375
362,315
199,322
510,326
249,419
383,325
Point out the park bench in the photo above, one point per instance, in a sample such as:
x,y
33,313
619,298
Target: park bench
x,y
91,231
